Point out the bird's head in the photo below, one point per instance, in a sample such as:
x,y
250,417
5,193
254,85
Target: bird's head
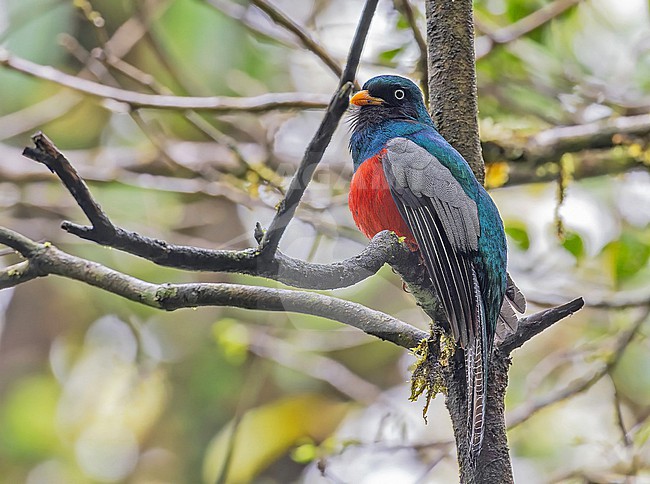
x,y
388,97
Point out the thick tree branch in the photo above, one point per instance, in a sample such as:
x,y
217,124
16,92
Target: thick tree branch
x,y
45,259
383,248
549,145
316,148
215,104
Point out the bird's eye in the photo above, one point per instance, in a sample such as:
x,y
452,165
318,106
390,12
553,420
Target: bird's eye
x,y
399,94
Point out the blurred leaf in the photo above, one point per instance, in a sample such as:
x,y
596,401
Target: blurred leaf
x,y
632,374
496,174
233,339
265,433
388,56
27,418
305,453
627,255
574,244
402,23
518,235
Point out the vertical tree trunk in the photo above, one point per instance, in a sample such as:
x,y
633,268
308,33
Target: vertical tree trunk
x,y
454,108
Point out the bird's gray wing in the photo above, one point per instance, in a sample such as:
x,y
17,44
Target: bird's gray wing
x,y
445,224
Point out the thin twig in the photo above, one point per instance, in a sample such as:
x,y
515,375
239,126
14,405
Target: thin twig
x,y
406,9
529,409
301,33
239,13
216,104
520,28
316,366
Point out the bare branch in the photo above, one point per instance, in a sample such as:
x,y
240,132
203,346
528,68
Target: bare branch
x,y
305,39
383,248
520,28
551,144
317,366
531,408
614,301
17,274
538,322
48,154
321,139
216,104
47,259
240,14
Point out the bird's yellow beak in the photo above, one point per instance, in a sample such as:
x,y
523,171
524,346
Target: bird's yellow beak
x,y
363,98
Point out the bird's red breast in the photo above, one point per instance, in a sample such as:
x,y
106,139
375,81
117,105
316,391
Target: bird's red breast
x,y
372,205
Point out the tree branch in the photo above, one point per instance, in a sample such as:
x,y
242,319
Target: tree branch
x,y
294,272
45,259
240,13
549,145
215,104
538,322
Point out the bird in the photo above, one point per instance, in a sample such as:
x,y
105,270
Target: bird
x,y
409,180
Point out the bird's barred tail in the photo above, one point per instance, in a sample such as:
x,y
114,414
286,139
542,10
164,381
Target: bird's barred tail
x,y
476,369
476,396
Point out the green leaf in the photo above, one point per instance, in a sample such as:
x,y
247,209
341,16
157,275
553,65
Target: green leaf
x,y
628,255
519,236
28,416
402,23
233,340
574,244
388,56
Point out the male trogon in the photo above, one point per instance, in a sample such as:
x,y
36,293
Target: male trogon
x,y
410,180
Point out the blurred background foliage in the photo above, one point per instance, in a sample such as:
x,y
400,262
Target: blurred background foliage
x,y
97,389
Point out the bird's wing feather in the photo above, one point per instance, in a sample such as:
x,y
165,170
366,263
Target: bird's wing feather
x,y
444,221
515,296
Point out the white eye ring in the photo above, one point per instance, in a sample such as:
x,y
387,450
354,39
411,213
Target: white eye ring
x,y
399,94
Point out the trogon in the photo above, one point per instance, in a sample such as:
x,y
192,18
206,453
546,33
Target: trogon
x,y
408,179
